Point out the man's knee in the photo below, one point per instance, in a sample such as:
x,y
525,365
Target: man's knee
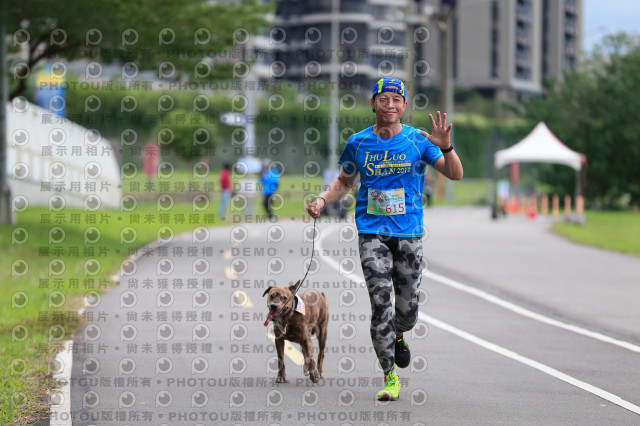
x,y
406,321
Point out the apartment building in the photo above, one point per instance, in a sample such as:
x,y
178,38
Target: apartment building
x,y
502,48
505,48
372,41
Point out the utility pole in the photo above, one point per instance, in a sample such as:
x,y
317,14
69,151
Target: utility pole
x,y
410,81
6,215
416,16
444,20
334,77
250,86
446,88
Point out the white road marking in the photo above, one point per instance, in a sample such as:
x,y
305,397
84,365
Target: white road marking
x,y
502,303
294,354
527,313
531,363
500,350
248,303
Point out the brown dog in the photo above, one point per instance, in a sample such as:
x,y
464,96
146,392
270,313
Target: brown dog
x,y
297,322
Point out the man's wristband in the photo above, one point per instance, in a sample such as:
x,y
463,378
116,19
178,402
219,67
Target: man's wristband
x,y
444,151
325,201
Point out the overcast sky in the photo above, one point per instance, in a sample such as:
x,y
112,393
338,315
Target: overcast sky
x,y
609,16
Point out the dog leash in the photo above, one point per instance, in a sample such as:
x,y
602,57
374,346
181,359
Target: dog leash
x,y
313,244
299,283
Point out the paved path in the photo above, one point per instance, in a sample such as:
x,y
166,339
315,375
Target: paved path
x,y
520,259
517,326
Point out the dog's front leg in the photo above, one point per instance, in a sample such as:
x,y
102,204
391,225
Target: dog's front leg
x,y
282,378
309,362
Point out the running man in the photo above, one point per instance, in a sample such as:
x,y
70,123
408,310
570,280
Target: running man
x,y
391,160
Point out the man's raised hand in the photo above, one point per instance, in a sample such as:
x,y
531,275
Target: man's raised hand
x,y
440,133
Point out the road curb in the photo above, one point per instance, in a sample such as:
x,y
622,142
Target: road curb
x,y
61,413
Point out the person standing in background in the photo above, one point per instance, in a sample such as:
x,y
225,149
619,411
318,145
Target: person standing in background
x,y
428,189
225,188
270,178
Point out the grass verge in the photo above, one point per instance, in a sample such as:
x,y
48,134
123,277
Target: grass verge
x,y
609,230
53,259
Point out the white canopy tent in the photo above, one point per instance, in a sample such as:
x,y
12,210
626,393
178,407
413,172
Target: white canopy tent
x,y
542,146
539,146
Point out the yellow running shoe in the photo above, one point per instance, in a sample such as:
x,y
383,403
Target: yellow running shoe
x,y
391,390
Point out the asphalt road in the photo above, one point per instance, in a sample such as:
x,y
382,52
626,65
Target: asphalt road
x,y
517,326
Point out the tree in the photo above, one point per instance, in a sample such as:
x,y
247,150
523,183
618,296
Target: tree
x,y
189,135
180,40
593,111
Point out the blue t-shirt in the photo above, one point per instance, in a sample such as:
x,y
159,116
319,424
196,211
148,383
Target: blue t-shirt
x,y
389,168
269,180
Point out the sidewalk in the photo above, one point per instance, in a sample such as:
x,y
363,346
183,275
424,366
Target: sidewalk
x,y
521,260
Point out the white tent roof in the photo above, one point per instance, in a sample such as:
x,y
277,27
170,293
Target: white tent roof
x,y
539,146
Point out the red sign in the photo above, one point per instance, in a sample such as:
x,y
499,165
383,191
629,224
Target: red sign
x,y
151,159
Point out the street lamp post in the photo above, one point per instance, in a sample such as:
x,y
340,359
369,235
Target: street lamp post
x,y
445,23
334,86
444,20
250,86
412,19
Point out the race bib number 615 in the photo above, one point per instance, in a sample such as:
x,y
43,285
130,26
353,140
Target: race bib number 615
x,y
386,202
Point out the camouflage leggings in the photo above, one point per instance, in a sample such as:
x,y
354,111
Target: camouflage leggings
x,y
391,265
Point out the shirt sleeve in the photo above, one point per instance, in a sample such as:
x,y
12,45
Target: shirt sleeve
x,y
347,159
431,153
